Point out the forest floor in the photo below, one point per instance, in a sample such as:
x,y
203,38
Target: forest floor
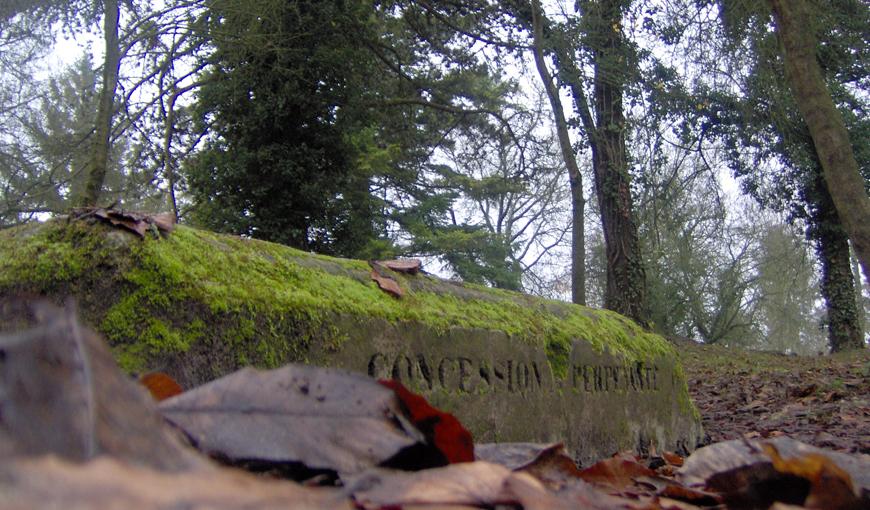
x,y
820,400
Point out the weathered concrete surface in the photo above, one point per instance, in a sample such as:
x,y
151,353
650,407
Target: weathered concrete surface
x,y
510,366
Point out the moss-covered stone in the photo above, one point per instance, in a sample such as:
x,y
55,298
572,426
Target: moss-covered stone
x,y
199,304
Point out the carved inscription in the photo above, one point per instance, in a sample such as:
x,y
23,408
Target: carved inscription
x,y
459,373
469,375
598,378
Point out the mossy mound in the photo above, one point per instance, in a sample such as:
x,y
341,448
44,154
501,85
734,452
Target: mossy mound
x,y
199,305
157,296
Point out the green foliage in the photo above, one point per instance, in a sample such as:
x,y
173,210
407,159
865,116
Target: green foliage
x,y
752,115
323,130
281,165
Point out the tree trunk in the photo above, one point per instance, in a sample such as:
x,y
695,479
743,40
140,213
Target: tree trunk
x,y
626,277
829,134
578,201
101,143
838,284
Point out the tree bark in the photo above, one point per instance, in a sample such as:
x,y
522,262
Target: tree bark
x,y
101,144
578,201
626,277
828,131
838,283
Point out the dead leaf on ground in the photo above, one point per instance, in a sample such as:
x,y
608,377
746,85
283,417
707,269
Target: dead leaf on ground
x,y
510,455
137,222
385,282
442,430
673,459
470,483
160,385
50,482
747,475
830,486
325,419
553,466
61,392
618,471
409,266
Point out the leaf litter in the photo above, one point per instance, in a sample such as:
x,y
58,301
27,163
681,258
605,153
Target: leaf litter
x,y
92,438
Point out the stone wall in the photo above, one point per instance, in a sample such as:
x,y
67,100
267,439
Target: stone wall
x,y
512,367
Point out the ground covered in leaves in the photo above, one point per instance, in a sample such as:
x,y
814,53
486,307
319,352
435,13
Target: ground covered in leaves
x,y
820,400
77,433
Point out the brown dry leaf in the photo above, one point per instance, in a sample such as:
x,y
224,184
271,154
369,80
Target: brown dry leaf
x,y
552,466
617,472
387,284
409,266
137,222
160,385
830,486
744,474
164,221
673,459
532,495
61,392
728,455
107,483
326,419
663,503
510,455
469,483
688,495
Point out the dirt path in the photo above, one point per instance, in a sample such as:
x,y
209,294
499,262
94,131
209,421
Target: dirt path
x,y
823,400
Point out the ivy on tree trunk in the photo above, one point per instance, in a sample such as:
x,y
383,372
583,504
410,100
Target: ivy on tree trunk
x,y
838,283
626,277
828,131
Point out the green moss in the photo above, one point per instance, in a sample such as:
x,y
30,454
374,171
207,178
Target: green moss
x,y
46,257
270,291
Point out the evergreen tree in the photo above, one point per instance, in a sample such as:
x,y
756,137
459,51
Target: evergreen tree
x,y
323,131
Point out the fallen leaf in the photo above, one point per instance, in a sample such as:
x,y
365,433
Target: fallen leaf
x,y
469,483
160,385
51,482
510,455
442,430
737,453
746,476
61,392
830,486
673,490
673,459
553,466
617,472
165,221
387,284
325,419
137,222
532,495
409,266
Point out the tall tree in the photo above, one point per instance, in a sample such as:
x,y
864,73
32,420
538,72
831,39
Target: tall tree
x,y
598,35
838,285
626,277
101,141
771,122
765,139
323,132
796,26
578,200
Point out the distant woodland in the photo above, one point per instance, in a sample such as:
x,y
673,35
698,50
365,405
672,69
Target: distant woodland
x,y
701,166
